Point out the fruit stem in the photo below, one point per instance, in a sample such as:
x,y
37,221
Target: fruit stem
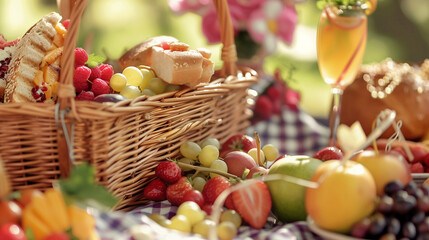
x,y
258,149
204,169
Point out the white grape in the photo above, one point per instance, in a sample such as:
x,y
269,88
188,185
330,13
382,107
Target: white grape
x,y
271,152
219,165
134,76
254,153
208,155
118,81
190,150
157,85
198,183
210,141
131,92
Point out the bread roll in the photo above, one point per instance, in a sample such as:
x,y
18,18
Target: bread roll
x,y
402,87
141,53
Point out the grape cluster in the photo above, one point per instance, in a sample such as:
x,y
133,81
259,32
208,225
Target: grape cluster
x,y
137,81
402,212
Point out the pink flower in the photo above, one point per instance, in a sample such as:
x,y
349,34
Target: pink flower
x,y
275,20
196,6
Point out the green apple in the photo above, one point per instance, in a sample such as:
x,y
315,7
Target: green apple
x,y
289,198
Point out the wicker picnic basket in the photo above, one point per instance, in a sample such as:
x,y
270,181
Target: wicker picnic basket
x,y
124,141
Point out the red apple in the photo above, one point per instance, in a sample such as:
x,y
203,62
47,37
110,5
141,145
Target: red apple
x,y
238,162
257,171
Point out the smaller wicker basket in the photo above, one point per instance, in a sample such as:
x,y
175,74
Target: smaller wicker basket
x,y
124,141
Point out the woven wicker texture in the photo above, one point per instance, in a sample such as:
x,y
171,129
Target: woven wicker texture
x,y
124,141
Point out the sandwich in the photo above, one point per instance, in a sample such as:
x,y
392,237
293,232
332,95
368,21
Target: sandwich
x,y
35,64
7,48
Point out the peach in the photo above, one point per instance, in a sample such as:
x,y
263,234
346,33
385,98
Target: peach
x,y
238,162
385,167
345,195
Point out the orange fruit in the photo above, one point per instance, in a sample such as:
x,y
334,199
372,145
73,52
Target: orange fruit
x,y
372,5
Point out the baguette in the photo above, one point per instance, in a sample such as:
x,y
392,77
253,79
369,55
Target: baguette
x,y
6,51
34,68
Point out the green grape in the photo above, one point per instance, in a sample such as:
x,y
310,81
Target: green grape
x,y
198,183
187,161
118,81
148,92
226,231
210,141
254,153
207,155
271,152
219,165
202,227
147,76
131,92
180,223
231,216
134,76
160,219
157,85
172,87
190,150
192,211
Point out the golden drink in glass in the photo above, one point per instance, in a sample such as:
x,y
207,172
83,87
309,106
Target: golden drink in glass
x,y
341,41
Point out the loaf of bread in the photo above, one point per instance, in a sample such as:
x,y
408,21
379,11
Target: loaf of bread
x,y
179,65
28,59
7,48
402,87
141,54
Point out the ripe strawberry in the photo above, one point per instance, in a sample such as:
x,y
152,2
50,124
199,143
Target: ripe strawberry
x,y
177,191
274,93
194,196
214,187
238,142
292,99
95,73
417,168
66,23
419,154
329,153
264,107
168,171
155,190
253,203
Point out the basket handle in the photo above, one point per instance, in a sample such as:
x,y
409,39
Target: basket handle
x,y
229,51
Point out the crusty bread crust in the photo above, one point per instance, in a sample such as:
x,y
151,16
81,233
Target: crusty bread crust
x,y
181,67
141,53
26,60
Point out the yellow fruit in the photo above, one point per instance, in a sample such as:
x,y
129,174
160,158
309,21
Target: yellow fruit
x,y
56,201
38,79
43,211
30,220
346,194
372,5
81,222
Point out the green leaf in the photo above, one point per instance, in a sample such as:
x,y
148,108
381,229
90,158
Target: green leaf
x,y
94,60
29,233
81,189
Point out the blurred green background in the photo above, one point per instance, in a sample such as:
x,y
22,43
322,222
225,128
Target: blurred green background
x,y
398,29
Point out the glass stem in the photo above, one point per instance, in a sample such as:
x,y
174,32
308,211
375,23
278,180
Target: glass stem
x,y
334,118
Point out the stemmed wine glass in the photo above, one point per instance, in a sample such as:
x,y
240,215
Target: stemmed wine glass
x,y
341,41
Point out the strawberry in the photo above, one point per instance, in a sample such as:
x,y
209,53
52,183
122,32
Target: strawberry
x,y
264,107
168,171
177,191
194,196
239,142
214,187
253,203
417,168
155,190
419,154
329,153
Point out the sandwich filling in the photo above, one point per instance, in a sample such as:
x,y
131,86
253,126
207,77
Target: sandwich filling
x,y
46,79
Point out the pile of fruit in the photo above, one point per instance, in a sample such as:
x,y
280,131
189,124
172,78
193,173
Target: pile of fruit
x,y
53,214
346,196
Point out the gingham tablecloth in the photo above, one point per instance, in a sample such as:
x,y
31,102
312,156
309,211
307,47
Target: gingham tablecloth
x,y
117,225
292,132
